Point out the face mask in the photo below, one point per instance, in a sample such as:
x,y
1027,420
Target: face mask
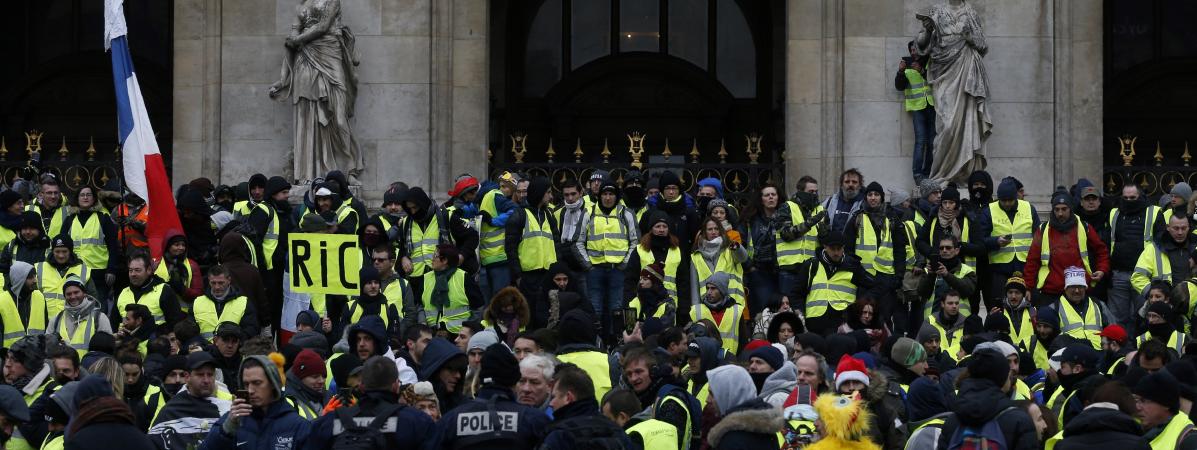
x,y
172,388
371,240
1161,330
807,198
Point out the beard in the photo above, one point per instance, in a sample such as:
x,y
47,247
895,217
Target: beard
x,y
850,194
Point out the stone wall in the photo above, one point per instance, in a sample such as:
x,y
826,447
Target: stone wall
x,y
1044,65
421,107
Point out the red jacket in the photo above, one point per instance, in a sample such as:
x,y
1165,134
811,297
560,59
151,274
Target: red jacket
x,y
1064,253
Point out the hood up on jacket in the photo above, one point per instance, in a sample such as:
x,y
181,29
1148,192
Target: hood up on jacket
x,y
438,353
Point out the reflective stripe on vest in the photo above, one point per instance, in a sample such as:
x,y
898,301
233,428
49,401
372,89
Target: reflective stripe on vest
x,y
801,249
911,237
490,237
726,264
15,327
929,305
394,291
917,93
1045,249
345,210
50,282
1178,428
270,236
537,249
655,434
875,256
1150,214
455,311
673,260
634,305
837,292
1022,336
1162,267
152,300
1176,341
204,311
89,242
56,220
1084,328
355,313
728,326
421,244
1020,230
75,340
607,237
970,260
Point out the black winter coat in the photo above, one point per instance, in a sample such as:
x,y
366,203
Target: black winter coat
x,y
102,436
752,425
1102,428
979,401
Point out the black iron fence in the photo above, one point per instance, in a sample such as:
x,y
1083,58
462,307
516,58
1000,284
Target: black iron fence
x,y
1167,166
77,162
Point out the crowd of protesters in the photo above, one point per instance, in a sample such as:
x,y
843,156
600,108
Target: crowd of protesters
x,y
595,314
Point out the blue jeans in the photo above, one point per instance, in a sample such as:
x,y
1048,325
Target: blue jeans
x,y
762,286
498,276
924,141
604,287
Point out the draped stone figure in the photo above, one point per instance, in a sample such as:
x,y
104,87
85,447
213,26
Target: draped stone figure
x,y
953,39
319,77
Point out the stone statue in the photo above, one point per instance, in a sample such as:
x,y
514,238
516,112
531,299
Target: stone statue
x,y
320,79
953,39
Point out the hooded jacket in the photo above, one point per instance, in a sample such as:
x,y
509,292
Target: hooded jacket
x,y
186,289
373,326
753,424
465,237
278,427
28,251
1101,426
980,401
514,229
979,198
779,384
1064,254
437,354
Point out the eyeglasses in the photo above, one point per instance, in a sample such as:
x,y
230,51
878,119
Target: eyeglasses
x,y
947,247
381,259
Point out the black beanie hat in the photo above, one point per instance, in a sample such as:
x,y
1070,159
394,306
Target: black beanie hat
x,y
275,185
30,219
989,365
950,193
670,178
368,273
8,197
1160,387
998,323
499,366
973,325
257,180
875,187
62,240
1186,374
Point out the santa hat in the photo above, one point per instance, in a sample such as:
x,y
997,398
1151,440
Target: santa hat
x,y
849,369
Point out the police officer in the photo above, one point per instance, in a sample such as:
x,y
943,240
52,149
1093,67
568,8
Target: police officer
x,y
404,426
493,420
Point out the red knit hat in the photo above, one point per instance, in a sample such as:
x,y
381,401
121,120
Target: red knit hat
x,y
850,369
1114,333
462,185
753,345
307,363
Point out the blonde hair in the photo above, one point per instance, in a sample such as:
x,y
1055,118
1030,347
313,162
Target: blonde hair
x,y
111,370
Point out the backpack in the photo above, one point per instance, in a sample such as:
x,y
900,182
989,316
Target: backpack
x,y
692,405
988,437
354,436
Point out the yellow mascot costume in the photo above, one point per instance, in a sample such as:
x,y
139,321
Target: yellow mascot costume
x,y
844,424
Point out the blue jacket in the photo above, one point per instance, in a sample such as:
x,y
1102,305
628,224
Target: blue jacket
x,y
280,428
526,431
413,428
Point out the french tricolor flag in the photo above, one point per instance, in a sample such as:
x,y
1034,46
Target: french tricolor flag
x,y
145,173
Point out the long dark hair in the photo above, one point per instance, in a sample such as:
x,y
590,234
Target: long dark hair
x,y
757,207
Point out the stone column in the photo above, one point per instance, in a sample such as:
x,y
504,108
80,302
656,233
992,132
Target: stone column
x,y
814,90
196,102
1078,102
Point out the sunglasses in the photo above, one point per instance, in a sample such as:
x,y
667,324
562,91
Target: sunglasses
x,y
947,247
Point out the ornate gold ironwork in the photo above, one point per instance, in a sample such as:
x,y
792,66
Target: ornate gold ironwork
x,y
519,147
736,181
1127,149
694,154
578,152
667,152
1159,156
753,147
63,151
91,148
1110,184
606,151
722,152
33,142
3,149
635,148
1186,156
550,153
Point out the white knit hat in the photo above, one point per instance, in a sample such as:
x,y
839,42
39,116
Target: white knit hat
x,y
1075,276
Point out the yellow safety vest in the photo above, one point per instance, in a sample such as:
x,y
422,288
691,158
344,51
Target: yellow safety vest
x,y
346,210
837,291
687,434
801,249
387,225
875,256
1178,427
1191,288
303,410
538,249
270,237
6,236
56,222
1114,367
421,244
1052,441
655,434
455,311
393,291
55,443
88,239
634,305
1151,213
50,282
938,423
15,327
964,235
917,92
726,264
1045,250
204,310
1021,232
729,326
81,337
673,259
1176,341
355,313
490,239
965,309
948,341
703,393
241,209
595,364
911,237
1027,329
607,237
151,300
1152,265
1084,328
1039,354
